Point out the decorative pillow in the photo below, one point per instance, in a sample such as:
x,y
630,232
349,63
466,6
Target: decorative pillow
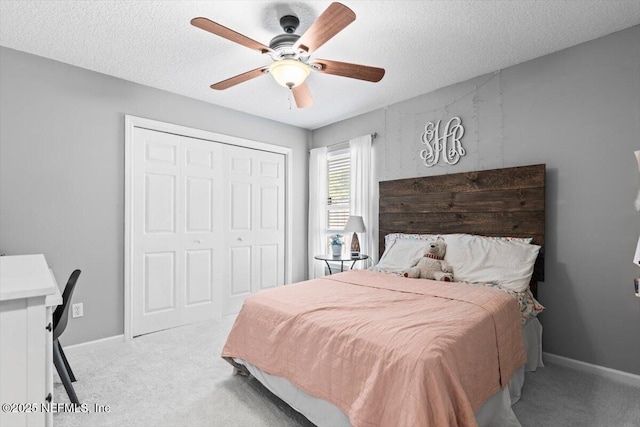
x,y
529,306
478,259
509,239
392,237
401,255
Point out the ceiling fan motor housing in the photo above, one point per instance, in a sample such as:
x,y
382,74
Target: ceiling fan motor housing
x,y
283,43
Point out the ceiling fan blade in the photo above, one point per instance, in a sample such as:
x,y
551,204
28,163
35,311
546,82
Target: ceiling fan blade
x,y
331,22
302,95
232,81
229,34
354,71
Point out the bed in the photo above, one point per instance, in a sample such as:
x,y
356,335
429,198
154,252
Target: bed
x,y
369,348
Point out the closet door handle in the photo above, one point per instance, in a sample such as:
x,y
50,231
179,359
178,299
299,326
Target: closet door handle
x,y
48,398
49,327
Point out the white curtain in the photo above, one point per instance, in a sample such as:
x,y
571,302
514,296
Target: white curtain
x,y
317,210
636,258
364,196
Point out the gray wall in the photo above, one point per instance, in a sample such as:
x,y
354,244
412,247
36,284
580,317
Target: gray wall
x,y
578,111
62,173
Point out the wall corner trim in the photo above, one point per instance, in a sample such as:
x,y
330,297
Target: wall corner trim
x,y
612,374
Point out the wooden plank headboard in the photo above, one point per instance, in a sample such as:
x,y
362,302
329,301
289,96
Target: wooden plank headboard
x,y
497,202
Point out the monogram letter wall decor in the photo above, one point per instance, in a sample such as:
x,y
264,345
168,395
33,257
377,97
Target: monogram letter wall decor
x,y
448,143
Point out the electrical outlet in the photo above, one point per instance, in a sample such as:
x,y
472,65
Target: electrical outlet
x,y
77,310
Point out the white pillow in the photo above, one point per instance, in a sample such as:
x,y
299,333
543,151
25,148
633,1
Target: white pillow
x,y
478,259
401,255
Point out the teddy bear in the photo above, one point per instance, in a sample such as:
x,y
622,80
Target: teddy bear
x,y
432,264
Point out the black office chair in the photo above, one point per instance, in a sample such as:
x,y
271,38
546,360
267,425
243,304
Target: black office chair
x,y
60,318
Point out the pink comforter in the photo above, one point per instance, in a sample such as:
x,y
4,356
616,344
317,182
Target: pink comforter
x,y
387,350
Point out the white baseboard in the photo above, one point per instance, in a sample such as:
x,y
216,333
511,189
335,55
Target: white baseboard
x,y
95,343
614,374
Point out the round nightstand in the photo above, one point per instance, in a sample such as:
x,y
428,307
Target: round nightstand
x,y
342,259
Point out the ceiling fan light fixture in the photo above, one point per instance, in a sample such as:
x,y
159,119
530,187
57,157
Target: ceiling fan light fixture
x,y
289,72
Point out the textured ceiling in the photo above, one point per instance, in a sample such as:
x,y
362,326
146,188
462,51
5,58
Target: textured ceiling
x,y
423,45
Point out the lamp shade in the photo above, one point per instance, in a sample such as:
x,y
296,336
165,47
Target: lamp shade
x,y
289,72
355,224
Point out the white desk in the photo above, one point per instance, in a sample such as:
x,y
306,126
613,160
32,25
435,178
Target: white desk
x,y
28,296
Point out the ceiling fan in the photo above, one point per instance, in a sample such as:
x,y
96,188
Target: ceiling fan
x,y
291,53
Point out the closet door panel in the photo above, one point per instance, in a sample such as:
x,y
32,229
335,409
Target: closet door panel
x,y
176,229
255,222
207,228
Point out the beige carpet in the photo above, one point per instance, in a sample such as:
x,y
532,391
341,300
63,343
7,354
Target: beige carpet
x,y
177,378
170,378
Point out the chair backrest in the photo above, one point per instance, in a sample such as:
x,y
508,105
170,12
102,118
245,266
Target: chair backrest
x,y
61,314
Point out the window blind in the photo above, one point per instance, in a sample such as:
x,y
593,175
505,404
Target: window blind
x,y
338,197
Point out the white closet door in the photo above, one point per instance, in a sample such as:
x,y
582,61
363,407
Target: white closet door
x,y
253,223
176,251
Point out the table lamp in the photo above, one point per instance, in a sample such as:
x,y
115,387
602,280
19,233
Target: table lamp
x,y
356,225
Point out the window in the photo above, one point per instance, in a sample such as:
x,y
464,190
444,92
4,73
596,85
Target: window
x,y
338,192
332,170
338,197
